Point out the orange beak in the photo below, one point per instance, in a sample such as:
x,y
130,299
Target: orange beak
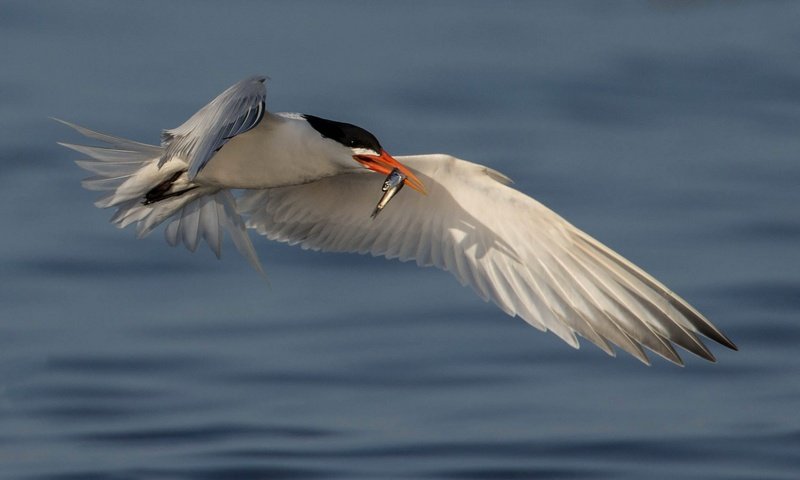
x,y
385,163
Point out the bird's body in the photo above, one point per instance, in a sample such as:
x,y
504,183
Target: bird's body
x,y
281,150
302,179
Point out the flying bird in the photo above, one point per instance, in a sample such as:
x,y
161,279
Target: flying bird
x,y
309,181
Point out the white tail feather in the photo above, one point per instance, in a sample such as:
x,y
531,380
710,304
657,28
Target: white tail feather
x,y
128,170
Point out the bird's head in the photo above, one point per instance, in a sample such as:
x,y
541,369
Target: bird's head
x,y
365,148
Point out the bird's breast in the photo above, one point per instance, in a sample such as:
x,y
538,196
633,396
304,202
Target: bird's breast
x,y
278,152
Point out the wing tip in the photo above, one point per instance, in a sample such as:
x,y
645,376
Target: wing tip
x,y
723,340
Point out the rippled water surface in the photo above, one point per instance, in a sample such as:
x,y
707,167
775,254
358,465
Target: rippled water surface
x,y
668,129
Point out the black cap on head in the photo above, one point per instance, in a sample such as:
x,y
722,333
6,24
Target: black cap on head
x,y
347,134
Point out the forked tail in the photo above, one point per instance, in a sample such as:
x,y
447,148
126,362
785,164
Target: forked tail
x,y
148,195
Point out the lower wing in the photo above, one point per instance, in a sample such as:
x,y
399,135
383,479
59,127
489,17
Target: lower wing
x,y
508,247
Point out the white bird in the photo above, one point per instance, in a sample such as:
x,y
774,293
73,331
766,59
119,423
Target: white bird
x,y
304,180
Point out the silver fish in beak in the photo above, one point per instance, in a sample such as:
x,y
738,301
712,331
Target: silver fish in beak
x,y
393,183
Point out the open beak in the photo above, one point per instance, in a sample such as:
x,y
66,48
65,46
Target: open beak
x,y
385,163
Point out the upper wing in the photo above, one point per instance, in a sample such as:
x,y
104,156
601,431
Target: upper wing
x,y
510,248
234,111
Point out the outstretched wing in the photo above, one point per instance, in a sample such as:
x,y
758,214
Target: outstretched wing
x,y
235,111
508,247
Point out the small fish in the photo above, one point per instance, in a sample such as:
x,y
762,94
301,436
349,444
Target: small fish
x,y
393,183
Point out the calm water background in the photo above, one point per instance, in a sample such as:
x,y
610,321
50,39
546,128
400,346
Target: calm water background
x,y
669,130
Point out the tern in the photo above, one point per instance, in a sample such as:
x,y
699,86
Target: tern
x,y
309,181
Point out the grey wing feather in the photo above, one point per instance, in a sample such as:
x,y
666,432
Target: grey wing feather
x,y
235,111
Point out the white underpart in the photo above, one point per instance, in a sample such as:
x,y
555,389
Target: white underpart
x,y
282,150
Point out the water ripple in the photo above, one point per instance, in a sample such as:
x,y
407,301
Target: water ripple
x,y
769,295
198,434
518,473
126,365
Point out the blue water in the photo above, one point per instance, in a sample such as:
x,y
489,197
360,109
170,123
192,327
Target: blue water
x,y
668,129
